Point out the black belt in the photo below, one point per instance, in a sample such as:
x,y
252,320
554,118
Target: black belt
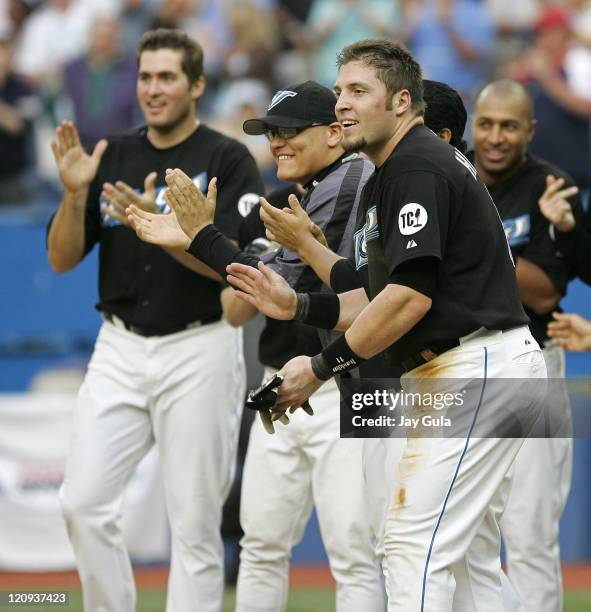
x,y
151,331
428,354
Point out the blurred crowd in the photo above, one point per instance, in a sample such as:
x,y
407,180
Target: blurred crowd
x,y
63,59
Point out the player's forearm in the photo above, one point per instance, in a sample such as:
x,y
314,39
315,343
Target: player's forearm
x,y
237,312
193,264
351,305
319,258
65,240
393,312
535,288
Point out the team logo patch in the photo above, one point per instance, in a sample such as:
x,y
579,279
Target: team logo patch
x,y
280,96
247,202
370,231
160,203
360,249
517,230
412,218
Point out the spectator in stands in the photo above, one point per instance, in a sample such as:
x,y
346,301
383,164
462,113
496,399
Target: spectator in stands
x,y
333,24
135,17
452,40
255,42
205,21
570,331
54,34
562,112
514,23
101,85
18,105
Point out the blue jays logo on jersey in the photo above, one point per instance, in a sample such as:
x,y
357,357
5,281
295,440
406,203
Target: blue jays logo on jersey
x,y
517,230
161,206
370,231
280,96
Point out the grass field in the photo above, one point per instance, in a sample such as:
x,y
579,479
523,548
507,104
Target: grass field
x,y
312,589
300,600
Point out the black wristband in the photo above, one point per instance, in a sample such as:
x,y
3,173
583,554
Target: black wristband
x,y
302,307
336,358
318,309
344,277
215,250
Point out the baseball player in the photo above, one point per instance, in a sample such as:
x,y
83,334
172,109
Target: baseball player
x,y
163,356
503,125
440,295
305,464
446,115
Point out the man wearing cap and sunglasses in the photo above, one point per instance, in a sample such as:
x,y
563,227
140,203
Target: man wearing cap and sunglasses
x,y
305,464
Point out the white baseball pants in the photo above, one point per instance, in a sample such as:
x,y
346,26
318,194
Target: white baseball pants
x,y
540,488
285,474
447,488
183,392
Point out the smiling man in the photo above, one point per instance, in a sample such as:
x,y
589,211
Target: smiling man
x,y
503,126
163,357
304,464
439,296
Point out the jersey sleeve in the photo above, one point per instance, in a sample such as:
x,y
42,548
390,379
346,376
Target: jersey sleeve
x,y
576,247
239,188
413,211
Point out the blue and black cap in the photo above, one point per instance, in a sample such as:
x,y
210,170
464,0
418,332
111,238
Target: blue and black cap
x,y
297,106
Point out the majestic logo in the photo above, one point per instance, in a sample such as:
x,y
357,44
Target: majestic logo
x,y
247,202
412,218
411,244
280,96
517,230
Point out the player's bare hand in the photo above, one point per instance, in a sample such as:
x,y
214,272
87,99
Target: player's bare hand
x,y
554,204
120,196
193,210
155,228
76,168
298,385
290,227
264,289
570,331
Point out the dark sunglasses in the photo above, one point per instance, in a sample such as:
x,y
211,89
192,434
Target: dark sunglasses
x,y
286,133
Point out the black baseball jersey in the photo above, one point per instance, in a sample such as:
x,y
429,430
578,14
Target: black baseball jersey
x,y
528,231
140,282
426,201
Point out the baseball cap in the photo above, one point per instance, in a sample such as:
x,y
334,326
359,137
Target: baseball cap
x,y
297,106
552,17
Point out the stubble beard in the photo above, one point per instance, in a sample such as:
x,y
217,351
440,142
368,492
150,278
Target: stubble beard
x,y
353,146
166,128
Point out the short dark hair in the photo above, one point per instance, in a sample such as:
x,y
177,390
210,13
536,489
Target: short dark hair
x,y
164,38
445,109
395,67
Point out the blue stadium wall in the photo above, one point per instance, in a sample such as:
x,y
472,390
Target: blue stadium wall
x,y
50,321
